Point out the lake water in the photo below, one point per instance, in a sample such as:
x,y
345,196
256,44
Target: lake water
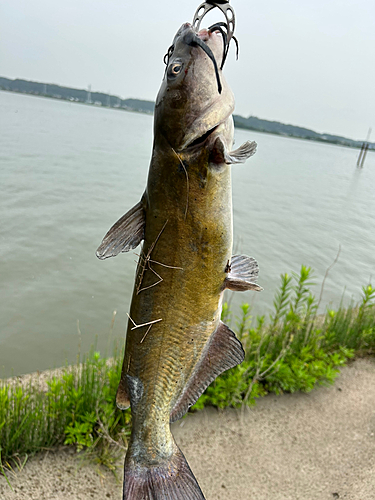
x,y
69,171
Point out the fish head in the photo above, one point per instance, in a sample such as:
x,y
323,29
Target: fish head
x,y
194,99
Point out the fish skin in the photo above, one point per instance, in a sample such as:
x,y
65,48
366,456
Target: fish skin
x,y
182,270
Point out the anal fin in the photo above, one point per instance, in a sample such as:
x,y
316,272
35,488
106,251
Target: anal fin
x,y
223,351
125,234
242,274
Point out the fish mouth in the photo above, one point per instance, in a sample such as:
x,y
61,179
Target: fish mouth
x,y
194,38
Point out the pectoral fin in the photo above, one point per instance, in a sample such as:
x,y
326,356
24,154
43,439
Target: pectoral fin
x,y
242,274
219,153
125,234
241,154
223,351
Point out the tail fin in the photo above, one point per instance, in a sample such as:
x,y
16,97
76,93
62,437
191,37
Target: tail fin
x,y
168,480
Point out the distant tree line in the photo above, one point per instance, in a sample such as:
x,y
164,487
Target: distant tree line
x,y
75,95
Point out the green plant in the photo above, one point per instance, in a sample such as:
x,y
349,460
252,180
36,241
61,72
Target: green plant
x,y
295,350
77,407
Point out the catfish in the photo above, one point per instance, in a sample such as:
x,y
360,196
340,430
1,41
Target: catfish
x,y
176,344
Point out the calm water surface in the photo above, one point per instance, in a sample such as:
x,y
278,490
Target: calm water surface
x,y
68,171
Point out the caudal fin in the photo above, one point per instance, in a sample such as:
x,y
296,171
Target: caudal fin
x,y
168,480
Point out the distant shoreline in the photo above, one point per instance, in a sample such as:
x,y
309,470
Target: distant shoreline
x,y
99,99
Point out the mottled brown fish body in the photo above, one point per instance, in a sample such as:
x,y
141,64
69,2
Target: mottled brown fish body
x,y
193,234
176,344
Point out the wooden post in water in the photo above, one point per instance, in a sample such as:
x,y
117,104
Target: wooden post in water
x,y
363,152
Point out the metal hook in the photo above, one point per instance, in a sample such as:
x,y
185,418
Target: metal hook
x,y
225,8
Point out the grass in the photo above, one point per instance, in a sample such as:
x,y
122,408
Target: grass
x,y
294,349
77,407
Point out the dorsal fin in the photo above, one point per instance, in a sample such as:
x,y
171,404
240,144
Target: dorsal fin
x,y
223,351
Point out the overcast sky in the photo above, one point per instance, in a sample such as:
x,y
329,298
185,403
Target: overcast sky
x,y
308,63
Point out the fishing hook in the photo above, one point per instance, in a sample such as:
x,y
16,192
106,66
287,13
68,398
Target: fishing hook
x,y
225,8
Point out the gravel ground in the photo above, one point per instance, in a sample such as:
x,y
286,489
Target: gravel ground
x,y
317,446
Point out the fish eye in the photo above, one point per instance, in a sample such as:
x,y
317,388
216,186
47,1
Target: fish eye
x,y
175,69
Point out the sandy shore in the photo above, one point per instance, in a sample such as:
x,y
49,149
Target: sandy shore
x,y
317,446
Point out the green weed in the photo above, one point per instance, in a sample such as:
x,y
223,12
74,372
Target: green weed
x,y
78,407
295,350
